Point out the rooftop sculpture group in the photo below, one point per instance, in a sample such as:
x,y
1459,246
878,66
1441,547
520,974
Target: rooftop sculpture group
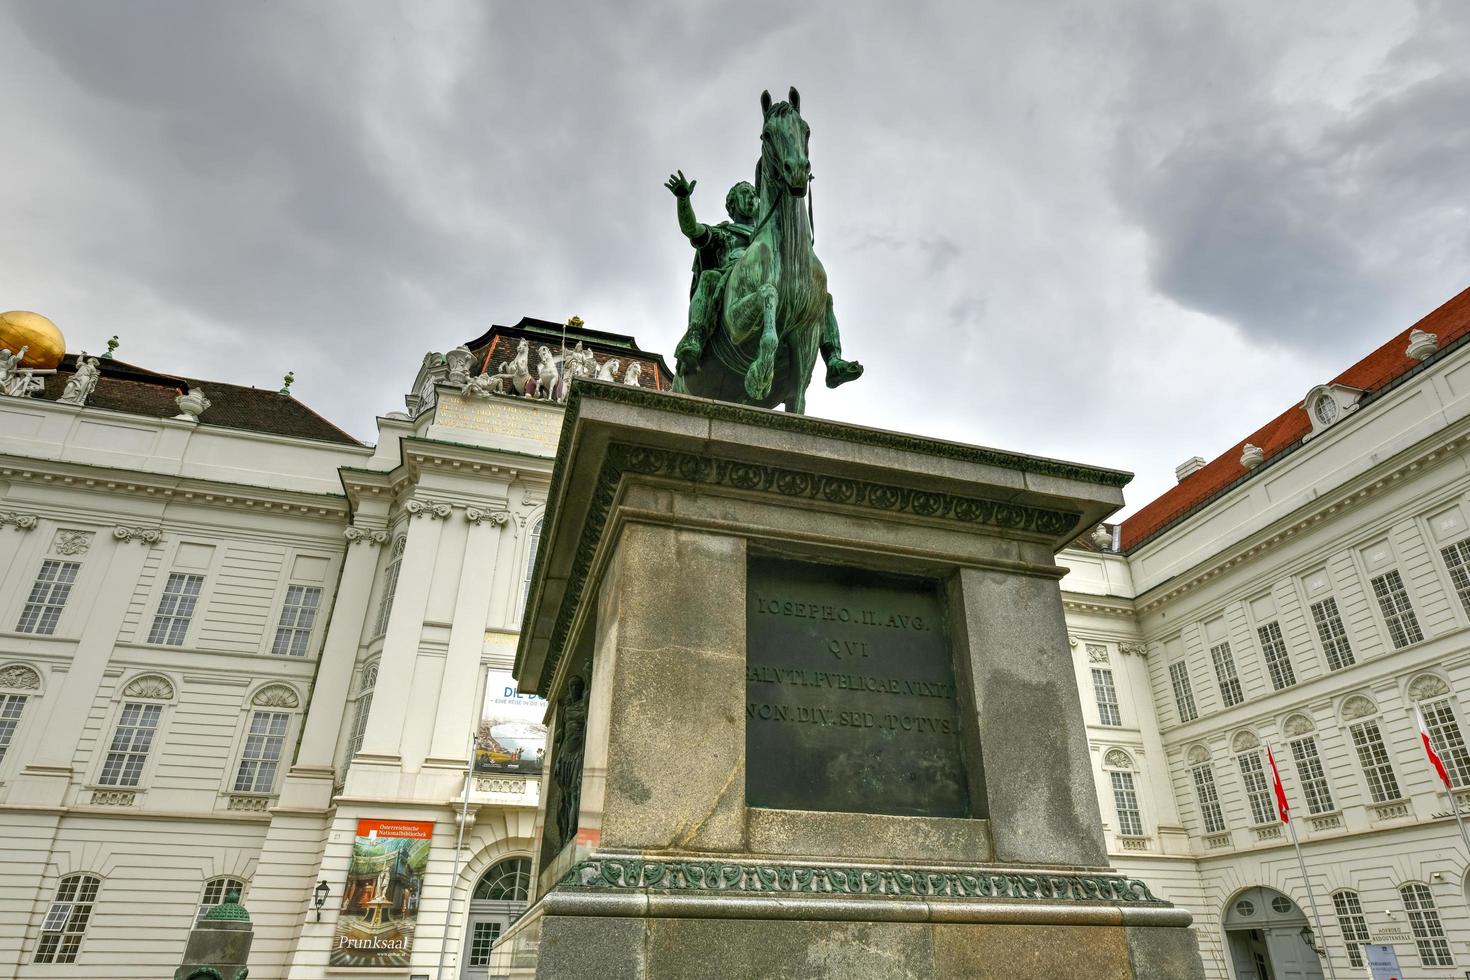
x,y
759,309
549,380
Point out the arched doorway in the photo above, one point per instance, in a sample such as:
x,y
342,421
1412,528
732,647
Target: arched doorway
x,y
1264,932
498,900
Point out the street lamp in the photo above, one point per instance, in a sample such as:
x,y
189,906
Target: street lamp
x,y
1310,939
320,898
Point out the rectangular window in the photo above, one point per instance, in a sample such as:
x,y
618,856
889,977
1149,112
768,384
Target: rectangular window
x,y
48,597
1383,785
1107,697
1125,800
1256,790
1330,631
1444,731
481,939
11,705
1457,560
1354,925
1309,771
1209,799
1434,947
1278,664
298,615
1229,680
262,753
130,744
175,609
1183,696
1398,613
66,920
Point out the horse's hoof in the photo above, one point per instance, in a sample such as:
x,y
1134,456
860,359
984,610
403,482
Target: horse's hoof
x,y
840,372
758,381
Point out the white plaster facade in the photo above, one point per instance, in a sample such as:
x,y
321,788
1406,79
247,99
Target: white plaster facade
x,y
444,511
1384,489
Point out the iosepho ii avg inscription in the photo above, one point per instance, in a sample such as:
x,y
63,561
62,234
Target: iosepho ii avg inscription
x,y
850,693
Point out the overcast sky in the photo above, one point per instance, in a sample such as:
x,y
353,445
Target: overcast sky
x,y
1123,232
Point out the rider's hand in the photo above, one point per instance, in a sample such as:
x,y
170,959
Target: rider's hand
x,y
679,186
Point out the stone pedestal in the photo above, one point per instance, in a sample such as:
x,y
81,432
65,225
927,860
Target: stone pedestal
x,y
813,711
219,945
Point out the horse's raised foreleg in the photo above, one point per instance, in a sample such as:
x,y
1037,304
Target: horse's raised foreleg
x,y
762,370
839,371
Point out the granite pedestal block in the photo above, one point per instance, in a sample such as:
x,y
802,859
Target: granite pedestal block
x,y
812,709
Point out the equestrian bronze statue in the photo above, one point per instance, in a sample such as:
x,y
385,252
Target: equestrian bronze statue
x,y
759,310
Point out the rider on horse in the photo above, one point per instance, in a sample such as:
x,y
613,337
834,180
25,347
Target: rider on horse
x,y
716,249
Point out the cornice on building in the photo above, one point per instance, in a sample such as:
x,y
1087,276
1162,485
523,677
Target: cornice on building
x,y
1437,449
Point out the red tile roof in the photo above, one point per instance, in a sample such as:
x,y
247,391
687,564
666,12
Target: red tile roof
x,y
124,387
1374,372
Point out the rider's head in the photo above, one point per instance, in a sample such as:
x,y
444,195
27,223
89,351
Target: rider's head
x,y
740,203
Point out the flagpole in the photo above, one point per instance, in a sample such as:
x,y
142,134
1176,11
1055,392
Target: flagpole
x,y
1283,810
464,810
1436,760
1312,898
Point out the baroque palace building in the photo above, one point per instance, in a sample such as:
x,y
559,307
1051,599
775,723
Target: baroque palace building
x,y
241,651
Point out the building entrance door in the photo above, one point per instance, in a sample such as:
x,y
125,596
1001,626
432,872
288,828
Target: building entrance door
x,y
498,900
1264,931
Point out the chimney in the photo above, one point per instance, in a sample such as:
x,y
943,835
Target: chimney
x,y
1190,466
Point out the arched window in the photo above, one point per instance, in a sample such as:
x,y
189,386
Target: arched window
x,y
360,717
508,881
215,890
66,920
390,585
1205,791
1434,948
1353,922
17,683
531,561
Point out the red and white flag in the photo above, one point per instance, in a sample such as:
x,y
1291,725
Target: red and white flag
x,y
1283,809
1434,759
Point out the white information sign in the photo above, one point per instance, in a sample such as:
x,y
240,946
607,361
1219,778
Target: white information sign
x,y
1382,961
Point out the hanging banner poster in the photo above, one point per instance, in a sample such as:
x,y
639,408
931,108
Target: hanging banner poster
x,y
380,901
511,736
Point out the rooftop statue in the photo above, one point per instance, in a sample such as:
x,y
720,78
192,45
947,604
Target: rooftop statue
x,y
759,310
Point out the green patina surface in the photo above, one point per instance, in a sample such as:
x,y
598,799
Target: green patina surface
x,y
827,879
228,910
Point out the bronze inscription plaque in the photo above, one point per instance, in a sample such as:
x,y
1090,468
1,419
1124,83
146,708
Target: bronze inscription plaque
x,y
850,700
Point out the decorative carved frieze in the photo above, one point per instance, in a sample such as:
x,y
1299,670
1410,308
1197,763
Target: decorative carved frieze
x,y
19,677
498,518
721,876
113,798
1391,811
1133,843
361,535
150,686
276,696
248,804
1330,821
1133,649
779,481
71,542
17,520
428,508
1272,832
1097,653
500,784
1357,707
1118,759
143,535
1216,841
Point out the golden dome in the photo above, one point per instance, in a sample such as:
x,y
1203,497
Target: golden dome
x,y
20,328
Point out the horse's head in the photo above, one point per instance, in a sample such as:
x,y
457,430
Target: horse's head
x,y
784,140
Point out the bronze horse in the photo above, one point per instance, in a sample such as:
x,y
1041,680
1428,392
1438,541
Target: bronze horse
x,y
776,316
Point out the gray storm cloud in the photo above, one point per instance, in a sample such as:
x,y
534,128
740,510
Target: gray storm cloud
x,y
1124,234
